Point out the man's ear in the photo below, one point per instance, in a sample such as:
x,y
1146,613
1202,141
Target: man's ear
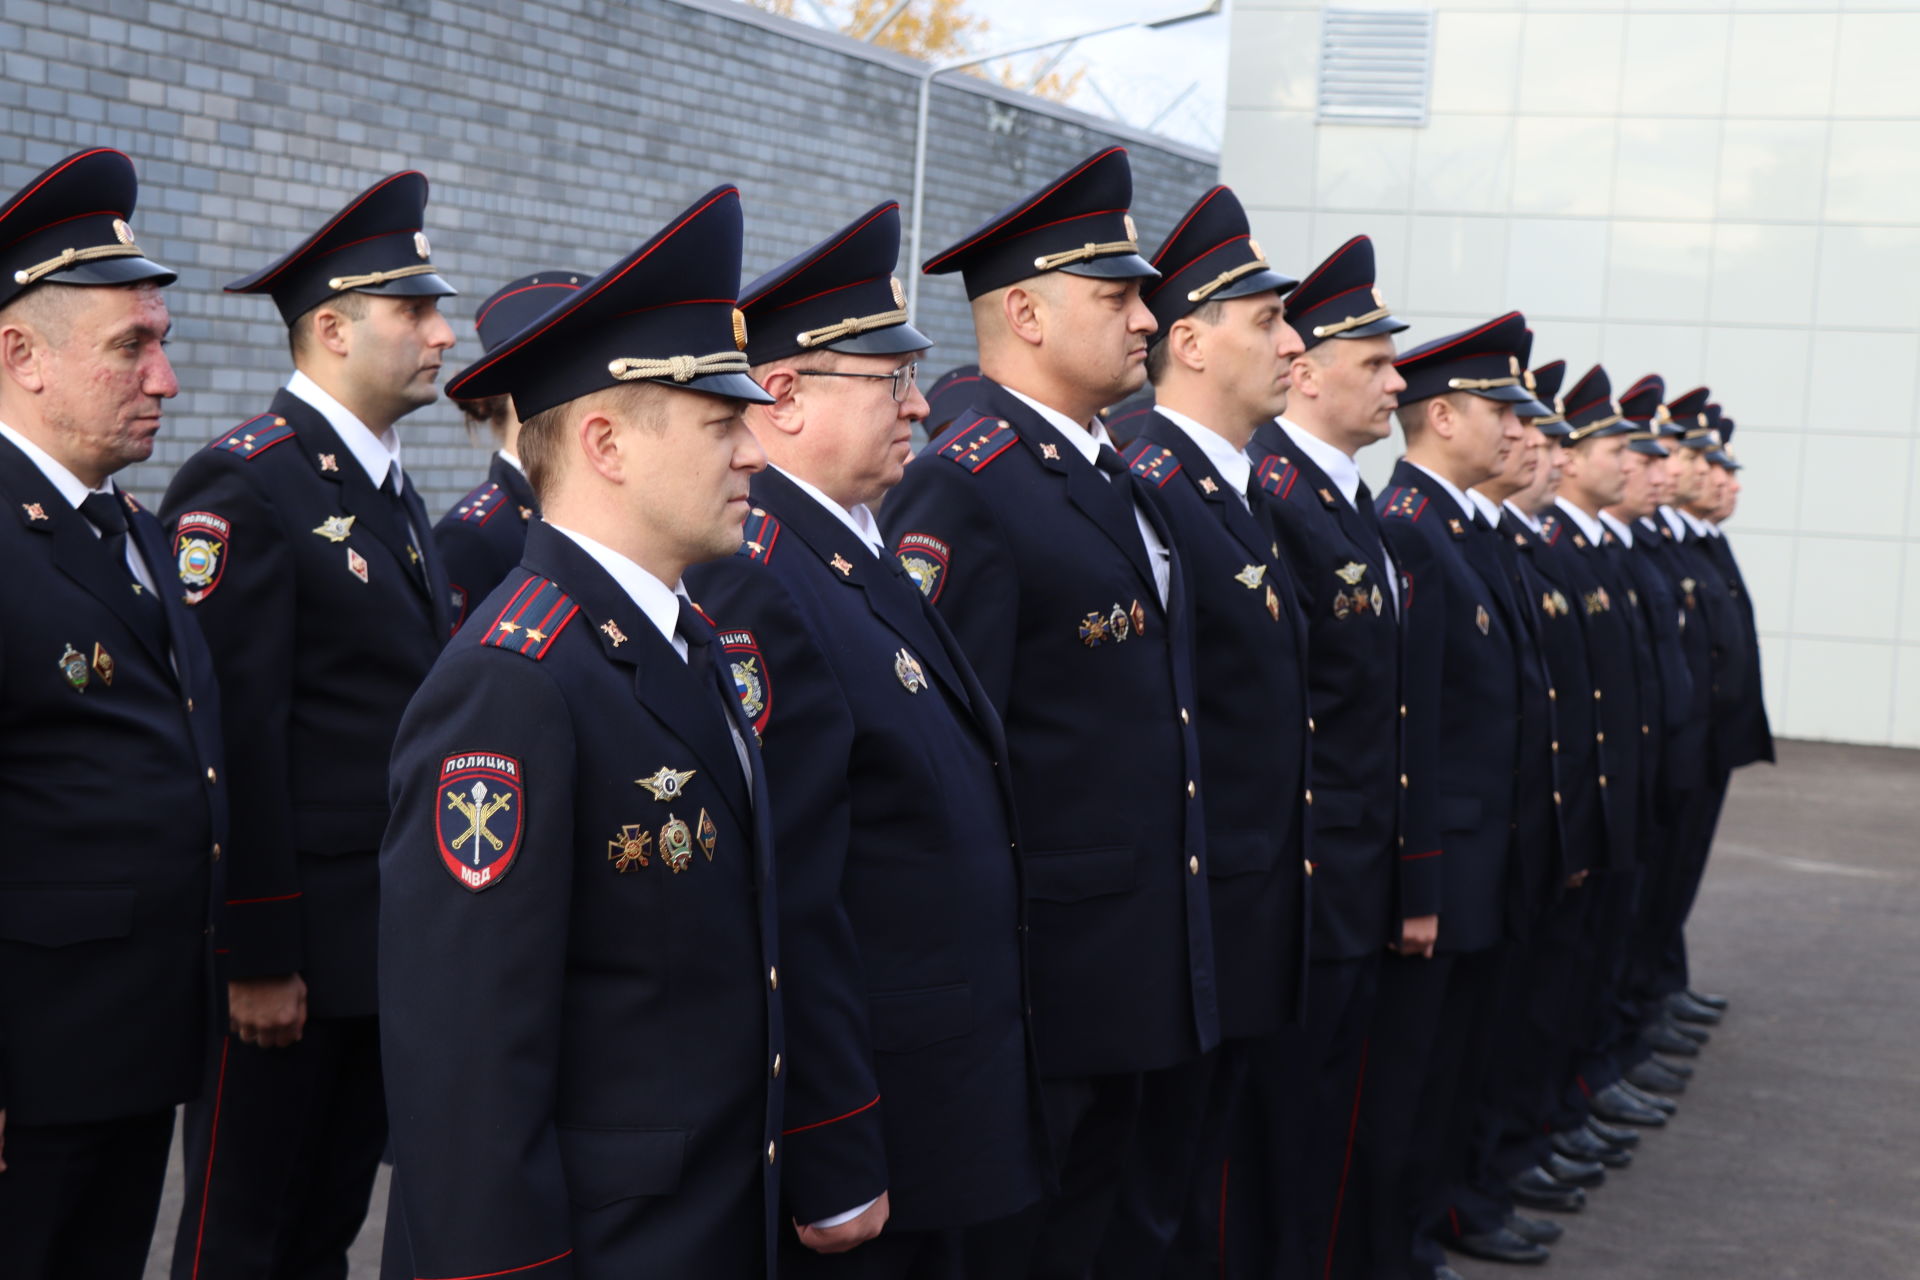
x,y
1186,344
784,414
329,331
600,440
1305,372
1025,312
1443,419
22,357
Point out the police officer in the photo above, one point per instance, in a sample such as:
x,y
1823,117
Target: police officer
x,y
1466,655
314,577
579,988
480,538
112,782
1370,892
1220,365
912,1105
1065,594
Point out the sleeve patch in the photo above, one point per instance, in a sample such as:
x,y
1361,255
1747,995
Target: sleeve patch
x,y
759,536
976,443
533,619
252,438
748,667
480,806
1276,475
925,559
1152,462
200,542
1404,504
479,506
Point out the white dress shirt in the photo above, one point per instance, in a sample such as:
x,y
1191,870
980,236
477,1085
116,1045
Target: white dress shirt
x,y
1460,498
1581,520
1620,530
1345,474
860,520
1086,439
1530,521
74,491
1489,509
1234,466
374,453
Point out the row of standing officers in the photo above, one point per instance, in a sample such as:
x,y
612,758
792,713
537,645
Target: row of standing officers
x,y
1122,858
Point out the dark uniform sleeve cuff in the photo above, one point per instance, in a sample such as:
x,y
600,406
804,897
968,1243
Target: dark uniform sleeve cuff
x,y
261,937
835,1163
1420,884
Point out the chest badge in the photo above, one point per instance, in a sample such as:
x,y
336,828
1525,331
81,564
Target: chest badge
x,y
335,528
356,564
102,663
1273,604
1481,620
676,844
907,668
706,835
1252,576
1351,572
666,784
630,847
73,665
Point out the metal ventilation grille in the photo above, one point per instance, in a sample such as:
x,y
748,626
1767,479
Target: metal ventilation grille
x,y
1375,65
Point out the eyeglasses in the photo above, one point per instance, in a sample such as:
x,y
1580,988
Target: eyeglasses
x,y
904,379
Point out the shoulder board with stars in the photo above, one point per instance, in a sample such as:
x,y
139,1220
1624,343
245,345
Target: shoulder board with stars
x,y
1404,503
975,442
479,506
1152,462
252,438
533,619
1276,475
1550,530
759,536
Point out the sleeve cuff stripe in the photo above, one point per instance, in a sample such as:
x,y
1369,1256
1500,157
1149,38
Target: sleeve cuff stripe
x,y
821,1124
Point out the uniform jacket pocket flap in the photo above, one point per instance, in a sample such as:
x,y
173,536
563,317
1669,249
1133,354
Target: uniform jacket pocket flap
x,y
1459,813
1069,875
1239,853
608,1165
1335,810
48,917
903,1021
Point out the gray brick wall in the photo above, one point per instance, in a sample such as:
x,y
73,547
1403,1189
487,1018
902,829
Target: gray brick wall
x,y
556,133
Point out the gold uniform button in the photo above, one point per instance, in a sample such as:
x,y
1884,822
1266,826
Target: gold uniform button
x,y
189,706
776,1066
1183,716
216,851
773,979
1193,864
1403,711
1553,695
1603,780
1556,797
1403,779
1596,695
1311,727
1309,795
1190,791
1308,864
1556,748
770,1152
1645,730
211,775
1599,737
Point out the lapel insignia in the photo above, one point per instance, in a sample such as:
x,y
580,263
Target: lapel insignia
x,y
1252,576
102,663
1208,486
1580,541
1455,528
1351,572
629,848
907,668
1051,452
1481,620
1519,540
74,667
335,528
706,835
612,631
329,462
479,824
840,562
34,510
1273,604
356,564
676,844
1326,496
526,514
665,783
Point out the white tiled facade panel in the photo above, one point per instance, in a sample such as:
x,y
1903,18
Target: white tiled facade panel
x,y
1719,191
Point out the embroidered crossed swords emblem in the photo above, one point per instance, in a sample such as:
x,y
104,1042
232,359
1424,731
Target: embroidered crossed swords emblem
x,y
477,811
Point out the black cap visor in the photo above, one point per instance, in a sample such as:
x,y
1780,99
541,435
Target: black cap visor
x,y
894,340
1373,329
428,284
111,271
1262,281
1118,266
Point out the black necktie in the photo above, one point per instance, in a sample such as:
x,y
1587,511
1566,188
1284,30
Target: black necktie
x,y
1108,460
699,635
104,512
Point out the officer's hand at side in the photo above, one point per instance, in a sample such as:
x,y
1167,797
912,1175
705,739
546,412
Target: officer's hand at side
x,y
1577,879
849,1234
1418,934
269,1012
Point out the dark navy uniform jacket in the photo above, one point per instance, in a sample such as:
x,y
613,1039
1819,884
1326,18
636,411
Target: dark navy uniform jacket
x,y
1036,561
1366,878
1576,563
113,795
1462,695
1666,684
1690,725
481,536
1250,652
322,624
901,914
580,1028
1748,736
